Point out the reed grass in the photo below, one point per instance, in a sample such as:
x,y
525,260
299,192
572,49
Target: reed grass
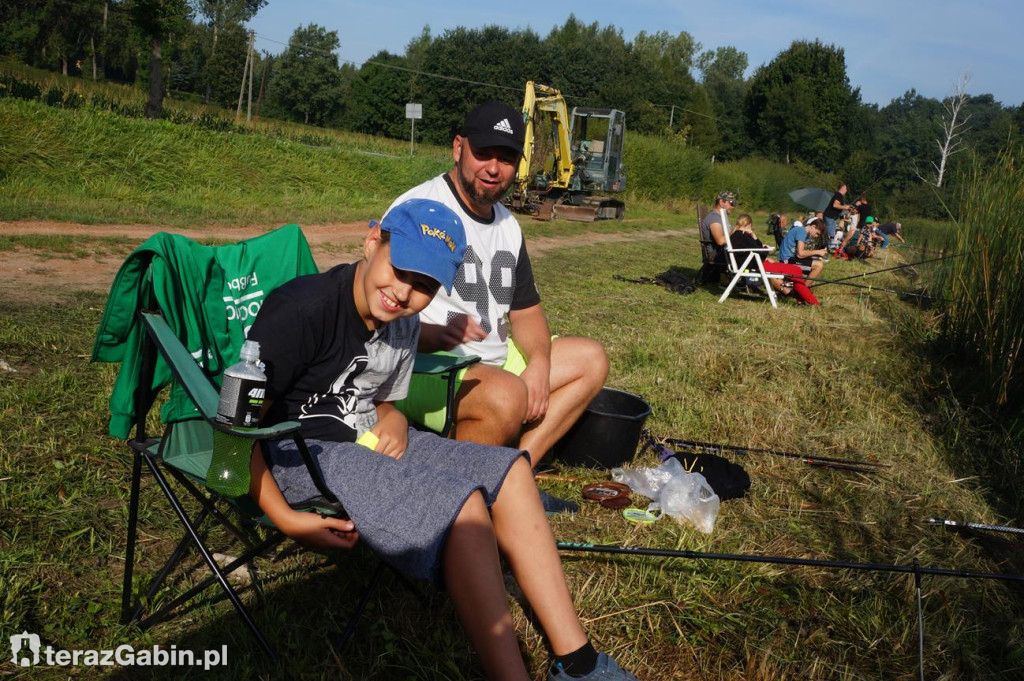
x,y
984,318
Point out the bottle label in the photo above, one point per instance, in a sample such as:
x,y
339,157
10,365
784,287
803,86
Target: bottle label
x,y
241,401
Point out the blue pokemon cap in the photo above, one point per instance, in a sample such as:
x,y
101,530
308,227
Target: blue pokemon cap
x,y
426,237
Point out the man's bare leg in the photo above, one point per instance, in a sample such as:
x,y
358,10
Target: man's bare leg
x,y
491,405
816,268
492,401
579,368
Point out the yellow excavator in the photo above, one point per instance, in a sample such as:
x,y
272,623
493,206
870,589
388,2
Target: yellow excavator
x,y
583,159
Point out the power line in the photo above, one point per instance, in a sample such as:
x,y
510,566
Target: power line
x,y
456,79
398,68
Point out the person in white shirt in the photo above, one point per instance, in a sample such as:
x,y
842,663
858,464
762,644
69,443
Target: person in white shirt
x,y
528,389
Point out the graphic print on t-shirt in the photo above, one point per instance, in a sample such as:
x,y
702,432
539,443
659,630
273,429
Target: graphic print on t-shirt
x,y
341,401
471,287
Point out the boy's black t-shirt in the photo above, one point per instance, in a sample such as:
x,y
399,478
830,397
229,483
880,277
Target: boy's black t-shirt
x,y
324,367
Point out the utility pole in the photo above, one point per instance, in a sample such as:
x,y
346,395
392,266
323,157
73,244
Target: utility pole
x,y
246,73
263,80
252,65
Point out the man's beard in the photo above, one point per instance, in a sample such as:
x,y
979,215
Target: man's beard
x,y
481,197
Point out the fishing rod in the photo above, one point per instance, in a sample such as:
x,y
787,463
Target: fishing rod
x,y
887,269
914,569
974,526
880,289
823,461
839,464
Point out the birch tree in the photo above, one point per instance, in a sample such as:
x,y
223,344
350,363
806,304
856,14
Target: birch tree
x,y
954,125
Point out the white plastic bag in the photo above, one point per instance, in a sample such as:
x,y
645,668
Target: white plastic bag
x,y
684,496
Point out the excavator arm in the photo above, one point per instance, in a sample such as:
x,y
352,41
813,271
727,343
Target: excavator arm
x,y
543,100
566,188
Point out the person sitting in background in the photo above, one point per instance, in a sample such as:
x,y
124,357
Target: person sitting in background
x,y
795,249
713,229
744,237
859,243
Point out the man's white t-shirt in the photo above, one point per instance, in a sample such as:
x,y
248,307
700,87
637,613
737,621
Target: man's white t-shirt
x,y
495,275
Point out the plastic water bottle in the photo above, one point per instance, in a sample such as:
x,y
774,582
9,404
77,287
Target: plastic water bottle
x,y
241,401
243,390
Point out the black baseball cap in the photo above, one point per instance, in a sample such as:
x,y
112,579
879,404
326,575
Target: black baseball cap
x,y
495,124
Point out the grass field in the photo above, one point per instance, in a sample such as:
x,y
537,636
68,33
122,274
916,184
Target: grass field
x,y
843,380
855,379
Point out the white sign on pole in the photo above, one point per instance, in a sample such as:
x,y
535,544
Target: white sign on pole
x,y
412,112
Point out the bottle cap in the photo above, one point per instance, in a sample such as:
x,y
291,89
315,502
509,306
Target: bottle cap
x,y
250,351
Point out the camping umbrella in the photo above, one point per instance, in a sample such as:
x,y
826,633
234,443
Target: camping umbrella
x,y
812,197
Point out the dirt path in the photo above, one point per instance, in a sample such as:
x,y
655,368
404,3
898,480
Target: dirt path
x,y
31,275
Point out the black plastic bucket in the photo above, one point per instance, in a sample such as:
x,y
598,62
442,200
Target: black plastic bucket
x,y
607,433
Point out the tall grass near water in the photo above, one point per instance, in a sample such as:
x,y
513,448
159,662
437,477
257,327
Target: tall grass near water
x,y
981,330
984,285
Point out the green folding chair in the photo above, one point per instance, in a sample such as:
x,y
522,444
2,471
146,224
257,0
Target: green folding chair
x,y
176,317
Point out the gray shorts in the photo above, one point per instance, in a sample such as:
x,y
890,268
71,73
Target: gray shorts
x,y
402,508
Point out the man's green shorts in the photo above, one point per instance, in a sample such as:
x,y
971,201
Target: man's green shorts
x,y
428,394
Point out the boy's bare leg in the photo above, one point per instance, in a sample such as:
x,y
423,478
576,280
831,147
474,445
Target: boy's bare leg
x,y
472,574
525,540
579,367
816,268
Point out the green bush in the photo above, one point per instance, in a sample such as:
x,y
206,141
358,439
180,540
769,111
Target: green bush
x,y
660,169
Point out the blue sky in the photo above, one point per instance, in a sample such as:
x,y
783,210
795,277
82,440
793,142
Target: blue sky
x,y
891,46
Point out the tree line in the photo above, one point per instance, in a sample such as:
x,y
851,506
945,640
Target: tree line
x,y
798,108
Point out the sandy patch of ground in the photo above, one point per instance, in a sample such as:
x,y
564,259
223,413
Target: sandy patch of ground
x,y
30,275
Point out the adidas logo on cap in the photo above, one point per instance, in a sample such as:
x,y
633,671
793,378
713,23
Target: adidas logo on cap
x,y
504,126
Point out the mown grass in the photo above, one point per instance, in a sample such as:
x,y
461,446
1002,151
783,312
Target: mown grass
x,y
837,380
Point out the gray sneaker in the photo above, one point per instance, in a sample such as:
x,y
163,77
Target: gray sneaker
x,y
606,670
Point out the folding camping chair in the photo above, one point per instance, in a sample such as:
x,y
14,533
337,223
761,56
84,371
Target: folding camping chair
x,y
751,270
176,317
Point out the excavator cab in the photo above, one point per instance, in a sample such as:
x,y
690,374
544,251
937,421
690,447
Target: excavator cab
x,y
598,136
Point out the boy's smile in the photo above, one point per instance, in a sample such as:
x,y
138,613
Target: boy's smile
x,y
384,292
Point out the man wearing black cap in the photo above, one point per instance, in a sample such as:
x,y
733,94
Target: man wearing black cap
x,y
528,389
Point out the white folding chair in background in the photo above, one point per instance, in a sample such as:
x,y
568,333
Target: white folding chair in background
x,y
750,270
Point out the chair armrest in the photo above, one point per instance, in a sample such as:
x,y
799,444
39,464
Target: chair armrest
x,y
440,363
198,385
447,366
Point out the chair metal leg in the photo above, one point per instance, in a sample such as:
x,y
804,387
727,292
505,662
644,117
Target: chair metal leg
x,y
175,559
208,557
247,538
129,553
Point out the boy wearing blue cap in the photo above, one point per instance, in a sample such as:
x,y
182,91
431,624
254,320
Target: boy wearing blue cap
x,y
339,348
